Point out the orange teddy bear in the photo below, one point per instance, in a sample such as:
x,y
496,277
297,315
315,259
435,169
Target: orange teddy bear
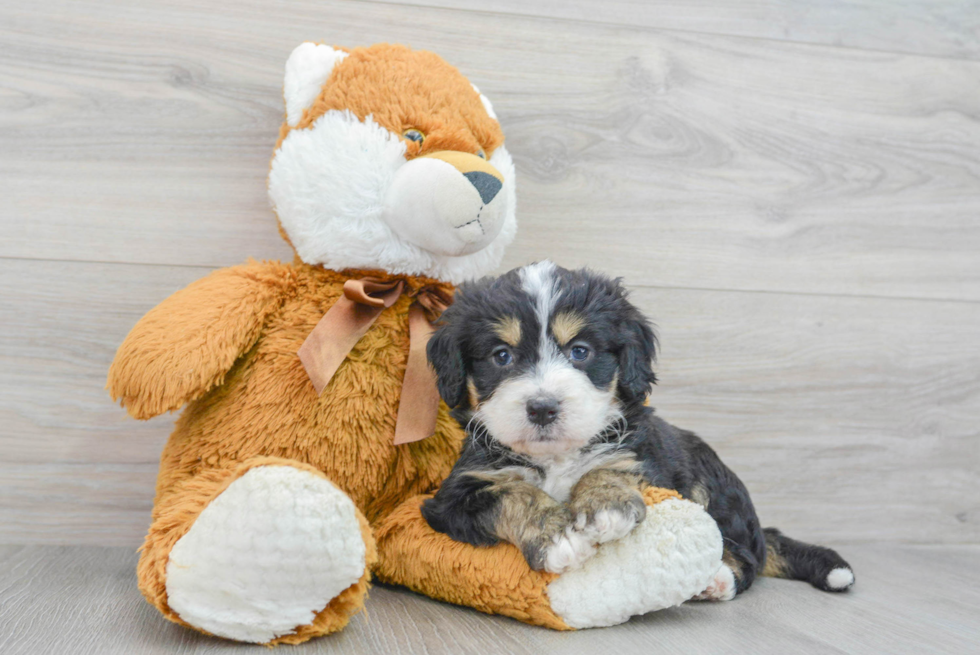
x,y
311,427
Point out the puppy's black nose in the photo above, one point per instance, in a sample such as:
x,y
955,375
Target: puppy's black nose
x,y
542,410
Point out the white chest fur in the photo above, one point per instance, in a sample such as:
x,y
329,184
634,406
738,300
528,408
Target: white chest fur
x,y
562,472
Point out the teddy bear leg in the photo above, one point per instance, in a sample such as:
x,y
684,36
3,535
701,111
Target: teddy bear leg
x,y
267,552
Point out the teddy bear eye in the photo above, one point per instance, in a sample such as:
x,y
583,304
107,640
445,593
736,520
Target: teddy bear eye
x,y
414,135
481,154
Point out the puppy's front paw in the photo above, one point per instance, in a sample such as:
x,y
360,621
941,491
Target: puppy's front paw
x,y
558,547
567,551
607,524
609,516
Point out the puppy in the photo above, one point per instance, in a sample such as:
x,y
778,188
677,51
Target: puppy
x,y
549,371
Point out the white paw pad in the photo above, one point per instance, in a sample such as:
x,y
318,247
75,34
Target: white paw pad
x,y
721,587
266,555
568,551
840,579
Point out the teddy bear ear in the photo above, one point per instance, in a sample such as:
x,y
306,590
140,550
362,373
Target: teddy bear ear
x,y
486,103
307,68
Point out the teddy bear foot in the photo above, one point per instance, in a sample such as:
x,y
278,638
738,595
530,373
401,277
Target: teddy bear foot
x,y
266,556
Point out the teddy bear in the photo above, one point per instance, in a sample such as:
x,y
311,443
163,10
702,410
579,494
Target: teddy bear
x,y
312,431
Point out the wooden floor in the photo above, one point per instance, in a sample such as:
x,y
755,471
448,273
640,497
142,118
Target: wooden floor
x,y
908,599
792,188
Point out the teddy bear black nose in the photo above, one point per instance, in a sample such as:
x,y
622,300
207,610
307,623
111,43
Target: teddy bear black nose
x,y
542,410
486,184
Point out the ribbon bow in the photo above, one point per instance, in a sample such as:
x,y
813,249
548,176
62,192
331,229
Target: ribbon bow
x,y
336,334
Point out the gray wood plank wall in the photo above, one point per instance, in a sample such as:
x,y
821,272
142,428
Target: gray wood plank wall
x,y
793,189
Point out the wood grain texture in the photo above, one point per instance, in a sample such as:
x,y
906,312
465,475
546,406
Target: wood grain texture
x,y
907,599
140,132
850,419
947,28
846,418
62,324
60,502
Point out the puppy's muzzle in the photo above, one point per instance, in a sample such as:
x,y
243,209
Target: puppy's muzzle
x,y
543,410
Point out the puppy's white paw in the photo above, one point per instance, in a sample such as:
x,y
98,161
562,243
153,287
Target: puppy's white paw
x,y
721,587
607,524
567,551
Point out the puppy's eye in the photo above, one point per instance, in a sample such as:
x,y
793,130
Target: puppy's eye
x,y
502,357
579,353
482,154
414,135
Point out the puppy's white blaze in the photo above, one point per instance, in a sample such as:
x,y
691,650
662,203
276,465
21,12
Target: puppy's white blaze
x,y
538,281
537,277
840,578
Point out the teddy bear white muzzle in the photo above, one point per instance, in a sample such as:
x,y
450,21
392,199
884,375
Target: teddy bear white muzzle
x,y
448,203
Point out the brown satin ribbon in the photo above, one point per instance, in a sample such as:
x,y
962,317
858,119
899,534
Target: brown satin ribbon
x,y
336,334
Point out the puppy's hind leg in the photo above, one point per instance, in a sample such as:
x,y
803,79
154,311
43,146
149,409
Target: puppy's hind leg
x,y
725,584
729,504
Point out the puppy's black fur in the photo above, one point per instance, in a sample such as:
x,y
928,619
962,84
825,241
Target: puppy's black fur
x,y
466,354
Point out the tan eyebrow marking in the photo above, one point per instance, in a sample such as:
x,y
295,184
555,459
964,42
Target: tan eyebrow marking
x,y
474,396
509,330
566,326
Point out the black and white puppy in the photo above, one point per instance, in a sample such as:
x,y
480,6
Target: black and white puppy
x,y
549,371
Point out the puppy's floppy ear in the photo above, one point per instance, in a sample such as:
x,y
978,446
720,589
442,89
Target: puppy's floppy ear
x,y
639,350
446,358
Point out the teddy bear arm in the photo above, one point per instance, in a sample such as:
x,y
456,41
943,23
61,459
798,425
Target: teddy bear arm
x,y
495,580
667,559
186,345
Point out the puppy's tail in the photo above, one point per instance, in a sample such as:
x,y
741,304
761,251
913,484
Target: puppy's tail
x,y
795,560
